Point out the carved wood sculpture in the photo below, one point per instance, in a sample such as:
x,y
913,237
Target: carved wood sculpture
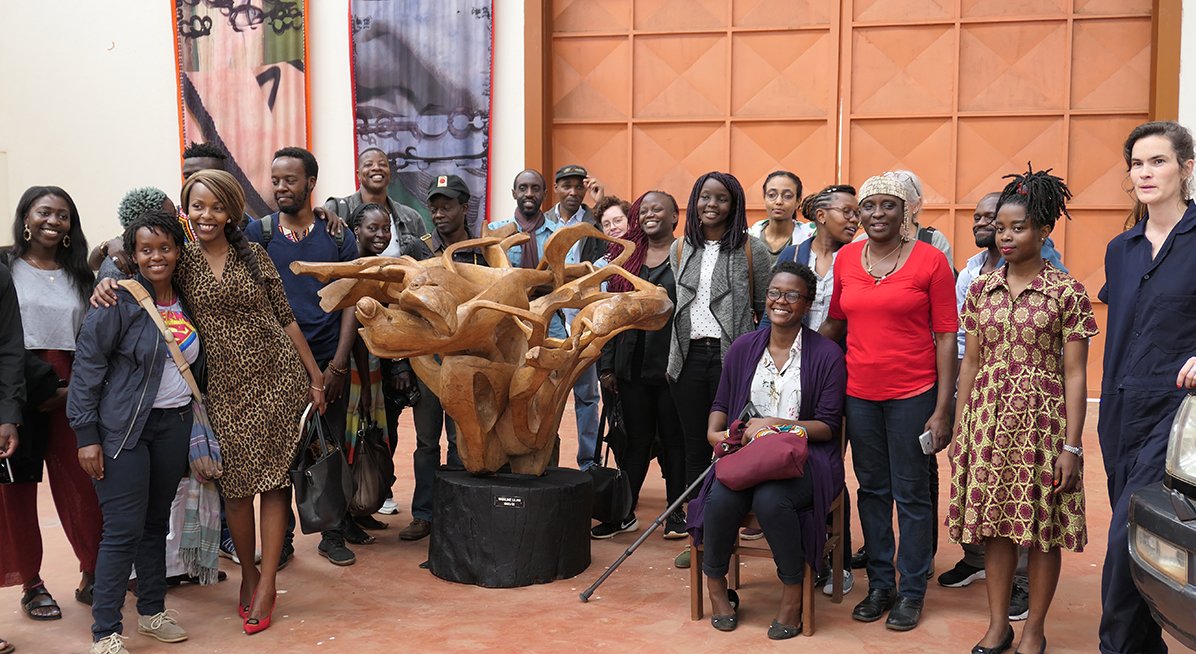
x,y
478,336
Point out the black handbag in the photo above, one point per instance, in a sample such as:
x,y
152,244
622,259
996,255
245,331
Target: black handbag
x,y
321,476
612,486
373,469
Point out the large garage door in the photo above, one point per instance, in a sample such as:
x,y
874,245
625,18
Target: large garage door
x,y
652,93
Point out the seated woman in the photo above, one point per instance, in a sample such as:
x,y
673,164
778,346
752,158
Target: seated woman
x,y
793,376
135,451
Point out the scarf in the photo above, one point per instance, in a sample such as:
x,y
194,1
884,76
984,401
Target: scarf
x,y
530,250
356,421
199,543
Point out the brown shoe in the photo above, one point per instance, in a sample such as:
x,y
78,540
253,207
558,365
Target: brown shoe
x,y
416,530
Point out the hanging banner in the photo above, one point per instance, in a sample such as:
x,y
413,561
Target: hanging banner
x,y
421,82
243,84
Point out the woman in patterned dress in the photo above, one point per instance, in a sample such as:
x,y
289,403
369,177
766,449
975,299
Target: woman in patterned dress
x,y
261,374
1023,387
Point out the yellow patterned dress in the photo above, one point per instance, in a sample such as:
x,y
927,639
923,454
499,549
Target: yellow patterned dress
x,y
1014,423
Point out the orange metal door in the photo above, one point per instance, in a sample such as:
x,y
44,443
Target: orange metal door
x,y
649,94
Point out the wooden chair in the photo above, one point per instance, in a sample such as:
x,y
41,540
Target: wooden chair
x,y
833,547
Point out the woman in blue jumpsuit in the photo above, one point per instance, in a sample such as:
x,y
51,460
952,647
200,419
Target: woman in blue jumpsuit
x,y
1151,293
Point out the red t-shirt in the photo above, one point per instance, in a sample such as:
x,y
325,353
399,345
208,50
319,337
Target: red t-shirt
x,y
891,325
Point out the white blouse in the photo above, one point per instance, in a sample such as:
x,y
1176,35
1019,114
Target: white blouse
x,y
703,324
777,392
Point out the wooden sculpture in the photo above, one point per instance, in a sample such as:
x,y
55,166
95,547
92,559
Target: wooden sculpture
x,y
478,335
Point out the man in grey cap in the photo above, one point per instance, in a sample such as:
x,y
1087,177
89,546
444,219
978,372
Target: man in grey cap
x,y
571,184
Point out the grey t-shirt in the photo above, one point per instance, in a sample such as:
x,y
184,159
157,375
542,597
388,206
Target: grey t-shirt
x,y
173,392
51,308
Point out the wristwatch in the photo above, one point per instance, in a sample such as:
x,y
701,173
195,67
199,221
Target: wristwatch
x,y
1078,451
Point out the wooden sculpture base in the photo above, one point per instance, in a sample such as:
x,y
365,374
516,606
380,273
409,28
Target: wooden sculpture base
x,y
506,530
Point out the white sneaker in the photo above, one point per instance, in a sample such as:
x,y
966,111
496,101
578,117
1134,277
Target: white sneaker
x,y
162,626
389,507
848,584
110,644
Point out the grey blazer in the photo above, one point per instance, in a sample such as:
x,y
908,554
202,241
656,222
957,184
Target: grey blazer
x,y
730,300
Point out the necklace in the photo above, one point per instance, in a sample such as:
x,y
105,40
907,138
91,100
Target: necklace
x,y
869,262
53,272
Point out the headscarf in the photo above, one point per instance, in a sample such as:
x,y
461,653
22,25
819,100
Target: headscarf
x,y
887,184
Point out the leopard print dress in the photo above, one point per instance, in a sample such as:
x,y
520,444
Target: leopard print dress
x,y
257,386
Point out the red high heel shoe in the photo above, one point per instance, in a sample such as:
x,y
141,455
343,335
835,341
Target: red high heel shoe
x,y
255,625
242,610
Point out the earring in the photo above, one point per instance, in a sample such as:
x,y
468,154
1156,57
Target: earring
x,y
905,231
66,241
27,235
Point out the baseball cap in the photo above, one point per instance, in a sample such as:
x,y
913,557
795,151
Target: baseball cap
x,y
572,170
450,186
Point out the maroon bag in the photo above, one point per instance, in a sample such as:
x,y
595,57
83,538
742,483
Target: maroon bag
x,y
778,452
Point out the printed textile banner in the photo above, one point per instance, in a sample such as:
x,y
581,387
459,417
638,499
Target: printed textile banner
x,y
243,85
421,78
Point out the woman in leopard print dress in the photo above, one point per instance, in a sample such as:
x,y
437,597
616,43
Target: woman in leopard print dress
x,y
260,373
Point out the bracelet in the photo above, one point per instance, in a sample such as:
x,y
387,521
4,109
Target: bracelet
x,y
317,388
336,371
1078,451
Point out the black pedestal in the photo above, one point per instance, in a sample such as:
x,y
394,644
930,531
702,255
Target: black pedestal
x,y
507,530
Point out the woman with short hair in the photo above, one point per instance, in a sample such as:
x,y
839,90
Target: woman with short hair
x,y
795,379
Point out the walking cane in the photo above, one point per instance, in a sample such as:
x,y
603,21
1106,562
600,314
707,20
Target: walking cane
x,y
585,595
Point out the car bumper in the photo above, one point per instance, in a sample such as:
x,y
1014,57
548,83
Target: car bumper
x,y
1173,604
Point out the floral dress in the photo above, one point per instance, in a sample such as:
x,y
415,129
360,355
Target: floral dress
x,y
1015,421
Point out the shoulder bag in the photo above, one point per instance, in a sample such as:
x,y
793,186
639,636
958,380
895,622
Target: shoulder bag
x,y
321,476
612,486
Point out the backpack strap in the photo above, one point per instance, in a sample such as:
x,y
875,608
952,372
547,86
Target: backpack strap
x,y
925,234
267,229
680,253
747,250
143,298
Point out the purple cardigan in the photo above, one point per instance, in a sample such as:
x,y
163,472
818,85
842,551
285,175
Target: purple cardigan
x,y
823,389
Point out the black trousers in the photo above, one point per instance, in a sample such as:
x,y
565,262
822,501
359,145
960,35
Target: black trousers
x,y
776,505
693,393
648,412
135,494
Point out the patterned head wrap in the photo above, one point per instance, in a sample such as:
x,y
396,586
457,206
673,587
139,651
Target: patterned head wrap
x,y
888,185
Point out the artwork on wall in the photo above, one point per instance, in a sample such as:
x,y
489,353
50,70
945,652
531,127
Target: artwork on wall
x,y
421,89
242,84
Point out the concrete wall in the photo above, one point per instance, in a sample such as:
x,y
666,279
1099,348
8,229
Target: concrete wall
x,y
89,102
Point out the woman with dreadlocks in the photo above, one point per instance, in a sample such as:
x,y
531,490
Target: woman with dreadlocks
x,y
1022,390
722,276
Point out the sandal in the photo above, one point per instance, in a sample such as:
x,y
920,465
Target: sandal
x,y
5,646
370,522
356,535
31,603
84,595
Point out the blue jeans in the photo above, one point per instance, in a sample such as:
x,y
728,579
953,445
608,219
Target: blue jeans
x,y
135,496
890,468
585,397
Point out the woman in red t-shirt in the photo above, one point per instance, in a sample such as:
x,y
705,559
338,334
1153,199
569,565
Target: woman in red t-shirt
x,y
898,296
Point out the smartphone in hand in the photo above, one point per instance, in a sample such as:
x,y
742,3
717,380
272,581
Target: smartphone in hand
x,y
926,440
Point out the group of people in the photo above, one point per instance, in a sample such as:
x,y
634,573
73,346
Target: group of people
x,y
838,319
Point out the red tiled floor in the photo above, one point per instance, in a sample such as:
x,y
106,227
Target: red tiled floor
x,y
385,603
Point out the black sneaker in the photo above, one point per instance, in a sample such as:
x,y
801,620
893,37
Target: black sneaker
x,y
609,529
1019,601
674,526
961,575
333,549
288,555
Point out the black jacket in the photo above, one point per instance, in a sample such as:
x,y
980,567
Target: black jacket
x,y
119,358
12,351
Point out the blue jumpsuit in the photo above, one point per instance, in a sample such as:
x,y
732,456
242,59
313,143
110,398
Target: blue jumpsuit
x,y
1152,310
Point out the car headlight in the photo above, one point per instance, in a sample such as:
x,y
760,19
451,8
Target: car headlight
x,y
1162,555
1181,448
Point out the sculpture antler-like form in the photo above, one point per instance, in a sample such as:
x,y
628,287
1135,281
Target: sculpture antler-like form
x,y
478,336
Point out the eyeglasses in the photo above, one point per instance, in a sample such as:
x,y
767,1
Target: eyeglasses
x,y
848,212
792,297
